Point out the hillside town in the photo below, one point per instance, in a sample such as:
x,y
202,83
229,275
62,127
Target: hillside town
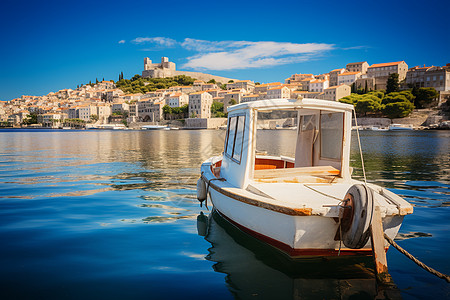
x,y
105,103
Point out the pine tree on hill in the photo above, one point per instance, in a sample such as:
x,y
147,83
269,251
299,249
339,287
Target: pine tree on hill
x,y
392,84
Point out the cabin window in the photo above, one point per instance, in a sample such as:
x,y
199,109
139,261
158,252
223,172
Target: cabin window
x,y
332,130
235,137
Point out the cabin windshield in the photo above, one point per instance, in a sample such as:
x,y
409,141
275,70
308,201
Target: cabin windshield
x,y
299,139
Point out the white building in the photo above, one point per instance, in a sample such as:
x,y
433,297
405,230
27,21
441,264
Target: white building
x,y
348,77
247,85
177,100
318,85
278,92
120,107
200,105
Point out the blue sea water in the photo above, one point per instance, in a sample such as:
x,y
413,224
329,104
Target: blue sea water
x,y
114,215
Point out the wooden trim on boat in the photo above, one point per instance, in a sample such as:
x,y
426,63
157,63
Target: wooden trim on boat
x,y
277,208
297,252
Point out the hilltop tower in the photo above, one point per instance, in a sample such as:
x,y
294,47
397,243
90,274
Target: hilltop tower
x,y
147,63
162,70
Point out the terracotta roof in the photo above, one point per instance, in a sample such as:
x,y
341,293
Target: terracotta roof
x,y
337,70
386,64
277,88
361,62
349,73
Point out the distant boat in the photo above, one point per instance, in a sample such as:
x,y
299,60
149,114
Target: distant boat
x,y
154,127
394,127
377,128
91,126
111,126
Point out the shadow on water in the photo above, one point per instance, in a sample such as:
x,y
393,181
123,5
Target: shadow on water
x,y
255,270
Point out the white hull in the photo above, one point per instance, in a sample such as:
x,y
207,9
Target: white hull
x,y
295,235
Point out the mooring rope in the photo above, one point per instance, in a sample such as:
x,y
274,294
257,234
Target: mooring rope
x,y
418,262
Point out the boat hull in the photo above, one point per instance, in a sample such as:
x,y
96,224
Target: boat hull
x,y
295,235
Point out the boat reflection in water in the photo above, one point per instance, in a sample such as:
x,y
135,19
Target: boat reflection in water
x,y
258,271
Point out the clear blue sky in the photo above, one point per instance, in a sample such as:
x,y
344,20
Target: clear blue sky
x,y
51,45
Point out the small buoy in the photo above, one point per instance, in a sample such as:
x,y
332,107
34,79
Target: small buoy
x,y
201,190
357,216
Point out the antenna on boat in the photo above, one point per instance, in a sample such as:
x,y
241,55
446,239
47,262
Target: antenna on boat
x,y
360,149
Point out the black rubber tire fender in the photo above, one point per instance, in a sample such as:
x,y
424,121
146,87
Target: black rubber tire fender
x,y
357,217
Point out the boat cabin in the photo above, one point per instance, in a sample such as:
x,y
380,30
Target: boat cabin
x,y
322,146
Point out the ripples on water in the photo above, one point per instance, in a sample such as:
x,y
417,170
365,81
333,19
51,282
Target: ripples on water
x,y
109,214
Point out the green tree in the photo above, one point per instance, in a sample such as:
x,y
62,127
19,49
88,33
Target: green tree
x,y
213,81
31,119
230,81
232,102
425,97
352,99
392,84
394,97
368,104
377,93
167,109
217,109
96,80
136,77
408,95
398,109
94,118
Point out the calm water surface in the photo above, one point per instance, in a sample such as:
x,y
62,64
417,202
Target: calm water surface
x,y
114,215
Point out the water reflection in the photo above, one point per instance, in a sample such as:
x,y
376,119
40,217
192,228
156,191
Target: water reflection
x,y
255,270
393,158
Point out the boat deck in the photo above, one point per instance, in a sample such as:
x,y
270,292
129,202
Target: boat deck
x,y
319,174
318,190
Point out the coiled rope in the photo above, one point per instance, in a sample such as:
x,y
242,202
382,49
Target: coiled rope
x,y
418,262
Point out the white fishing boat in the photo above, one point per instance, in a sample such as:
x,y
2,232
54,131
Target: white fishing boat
x,y
395,127
307,204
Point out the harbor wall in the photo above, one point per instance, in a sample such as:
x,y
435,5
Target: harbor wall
x,y
203,123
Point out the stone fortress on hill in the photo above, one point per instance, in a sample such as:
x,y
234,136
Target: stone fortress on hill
x,y
168,69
